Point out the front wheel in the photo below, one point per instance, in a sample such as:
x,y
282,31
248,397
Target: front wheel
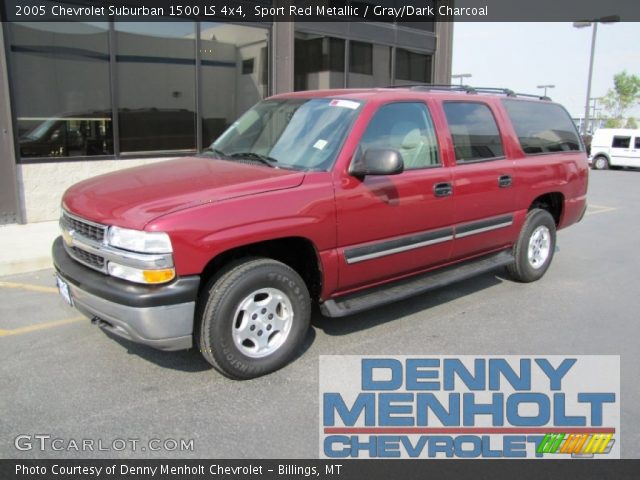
x,y
254,318
600,163
534,249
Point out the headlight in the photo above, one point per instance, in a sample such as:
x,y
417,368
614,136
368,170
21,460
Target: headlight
x,y
139,241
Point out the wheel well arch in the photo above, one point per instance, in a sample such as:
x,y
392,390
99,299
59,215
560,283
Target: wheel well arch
x,y
552,202
299,253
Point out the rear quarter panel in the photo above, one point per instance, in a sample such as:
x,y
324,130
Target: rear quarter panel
x,y
538,174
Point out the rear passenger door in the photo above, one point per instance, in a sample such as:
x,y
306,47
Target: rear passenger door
x,y
621,150
483,193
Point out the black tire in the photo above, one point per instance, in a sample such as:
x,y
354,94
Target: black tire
x,y
600,163
523,269
218,320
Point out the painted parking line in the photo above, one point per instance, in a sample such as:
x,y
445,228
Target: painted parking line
x,y
28,287
593,209
40,326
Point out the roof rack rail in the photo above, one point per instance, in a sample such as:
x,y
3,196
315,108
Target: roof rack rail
x,y
435,86
508,92
533,95
469,89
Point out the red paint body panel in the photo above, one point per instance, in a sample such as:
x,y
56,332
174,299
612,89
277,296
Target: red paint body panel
x,y
210,206
133,197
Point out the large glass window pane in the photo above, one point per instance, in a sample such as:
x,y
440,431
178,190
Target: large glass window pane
x,y
156,86
319,62
474,131
369,65
407,128
620,142
542,127
70,113
412,67
234,74
300,133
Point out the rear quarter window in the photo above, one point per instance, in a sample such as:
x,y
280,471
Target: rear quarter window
x,y
542,127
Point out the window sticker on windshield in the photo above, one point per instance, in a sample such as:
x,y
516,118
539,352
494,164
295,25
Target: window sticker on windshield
x,y
320,144
344,104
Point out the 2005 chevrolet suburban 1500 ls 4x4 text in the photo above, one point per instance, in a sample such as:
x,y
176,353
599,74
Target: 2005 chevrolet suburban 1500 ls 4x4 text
x,y
347,198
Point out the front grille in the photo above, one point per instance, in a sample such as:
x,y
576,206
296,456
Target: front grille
x,y
84,232
87,229
89,259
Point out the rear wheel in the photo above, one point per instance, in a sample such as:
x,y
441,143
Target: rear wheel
x,y
534,249
254,318
600,163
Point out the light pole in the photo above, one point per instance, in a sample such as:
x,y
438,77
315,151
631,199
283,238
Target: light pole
x,y
594,106
596,117
461,76
611,19
545,88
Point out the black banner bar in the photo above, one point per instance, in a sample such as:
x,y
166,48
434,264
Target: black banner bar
x,y
324,469
322,10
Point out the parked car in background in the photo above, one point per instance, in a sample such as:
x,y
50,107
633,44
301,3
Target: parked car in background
x,y
615,147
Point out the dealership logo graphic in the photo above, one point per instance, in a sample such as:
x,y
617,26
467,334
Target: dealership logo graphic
x,y
578,444
469,407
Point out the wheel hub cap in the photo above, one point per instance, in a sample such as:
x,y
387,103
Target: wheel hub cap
x,y
262,322
539,247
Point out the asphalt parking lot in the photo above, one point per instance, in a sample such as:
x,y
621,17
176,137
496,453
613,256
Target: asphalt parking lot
x,y
62,376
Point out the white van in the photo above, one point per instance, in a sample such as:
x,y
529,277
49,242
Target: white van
x,y
615,147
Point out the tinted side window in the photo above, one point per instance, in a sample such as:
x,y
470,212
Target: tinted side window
x,y
637,143
473,130
406,127
621,142
542,127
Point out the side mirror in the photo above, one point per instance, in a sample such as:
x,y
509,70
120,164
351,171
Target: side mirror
x,y
377,161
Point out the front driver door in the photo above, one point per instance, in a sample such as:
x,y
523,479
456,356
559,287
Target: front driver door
x,y
393,225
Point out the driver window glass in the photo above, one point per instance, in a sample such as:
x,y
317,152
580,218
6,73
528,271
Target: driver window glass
x,y
407,128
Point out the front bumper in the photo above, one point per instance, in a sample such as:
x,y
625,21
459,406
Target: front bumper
x,y
160,316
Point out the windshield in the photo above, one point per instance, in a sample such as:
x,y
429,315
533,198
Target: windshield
x,y
293,133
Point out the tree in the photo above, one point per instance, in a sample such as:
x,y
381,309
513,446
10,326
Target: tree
x,y
631,123
613,123
624,95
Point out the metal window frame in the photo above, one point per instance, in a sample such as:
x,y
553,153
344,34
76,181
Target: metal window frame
x,y
8,150
112,46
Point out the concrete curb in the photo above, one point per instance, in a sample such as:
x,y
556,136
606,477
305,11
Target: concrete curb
x,y
26,248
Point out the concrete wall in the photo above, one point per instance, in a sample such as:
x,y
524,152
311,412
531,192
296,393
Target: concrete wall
x,y
41,185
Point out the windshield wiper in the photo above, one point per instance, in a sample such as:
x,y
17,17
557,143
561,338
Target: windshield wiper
x,y
220,153
265,159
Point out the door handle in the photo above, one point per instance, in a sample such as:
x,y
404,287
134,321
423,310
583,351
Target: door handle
x,y
504,181
443,189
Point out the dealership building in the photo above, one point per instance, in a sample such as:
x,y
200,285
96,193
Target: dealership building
x,y
80,99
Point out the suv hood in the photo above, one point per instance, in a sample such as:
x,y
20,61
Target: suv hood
x,y
133,197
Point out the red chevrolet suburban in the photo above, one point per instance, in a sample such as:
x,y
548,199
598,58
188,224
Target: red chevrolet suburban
x,y
344,198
